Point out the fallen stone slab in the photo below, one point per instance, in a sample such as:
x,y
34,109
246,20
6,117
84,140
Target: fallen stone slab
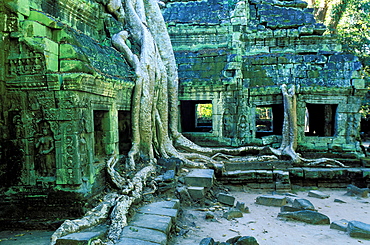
x,y
196,193
79,238
144,234
266,200
287,208
353,190
232,214
242,207
126,241
307,216
226,199
207,241
200,177
174,203
318,194
246,240
160,211
358,229
340,225
339,200
242,240
154,222
303,204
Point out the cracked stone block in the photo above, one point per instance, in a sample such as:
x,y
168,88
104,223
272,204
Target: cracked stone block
x,y
200,177
195,192
266,200
226,199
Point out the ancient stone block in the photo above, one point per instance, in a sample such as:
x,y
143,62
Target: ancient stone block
x,y
303,204
276,201
226,199
155,222
80,238
358,229
144,234
196,193
232,214
307,216
318,194
200,177
339,225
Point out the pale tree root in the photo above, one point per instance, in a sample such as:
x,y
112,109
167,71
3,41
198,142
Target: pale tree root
x,y
120,203
96,216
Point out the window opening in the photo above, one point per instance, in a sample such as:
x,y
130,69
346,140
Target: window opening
x,y
196,115
269,120
320,119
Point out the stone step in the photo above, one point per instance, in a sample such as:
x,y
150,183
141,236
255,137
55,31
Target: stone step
x,y
302,176
200,177
151,224
84,237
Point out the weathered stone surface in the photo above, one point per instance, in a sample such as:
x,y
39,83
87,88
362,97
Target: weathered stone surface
x,y
303,204
80,238
155,222
339,200
159,211
126,241
358,229
232,213
169,175
353,190
246,240
242,207
207,241
339,225
318,194
200,178
210,215
287,208
266,200
307,216
144,234
226,199
196,193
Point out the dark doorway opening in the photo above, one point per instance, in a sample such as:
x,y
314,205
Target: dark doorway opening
x,y
124,131
269,120
320,119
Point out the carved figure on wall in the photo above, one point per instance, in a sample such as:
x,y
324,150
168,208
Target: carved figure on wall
x,y
228,121
242,128
45,156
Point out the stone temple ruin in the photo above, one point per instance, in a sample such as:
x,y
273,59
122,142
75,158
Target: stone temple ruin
x,y
65,95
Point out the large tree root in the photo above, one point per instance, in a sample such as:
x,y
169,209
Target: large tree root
x,y
96,216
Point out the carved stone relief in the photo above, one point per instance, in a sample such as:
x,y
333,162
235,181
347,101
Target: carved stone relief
x,y
45,156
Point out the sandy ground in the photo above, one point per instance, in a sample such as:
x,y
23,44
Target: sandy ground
x,y
262,222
